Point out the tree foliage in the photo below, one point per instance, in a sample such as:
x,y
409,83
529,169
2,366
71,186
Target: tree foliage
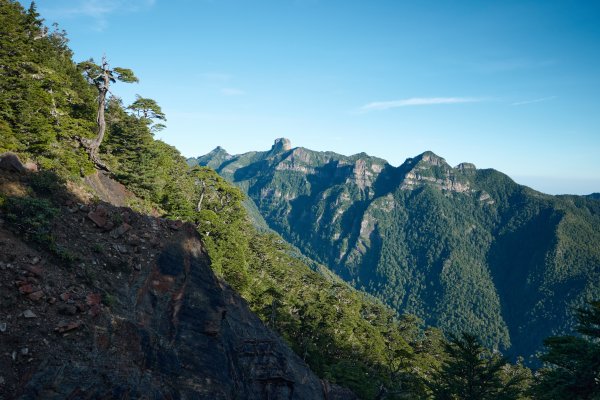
x,y
44,101
101,76
148,110
473,373
572,363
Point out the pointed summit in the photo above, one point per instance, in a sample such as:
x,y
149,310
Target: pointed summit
x,y
216,157
431,158
424,160
218,150
281,145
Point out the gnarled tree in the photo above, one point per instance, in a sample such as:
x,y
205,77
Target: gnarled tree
x,y
101,76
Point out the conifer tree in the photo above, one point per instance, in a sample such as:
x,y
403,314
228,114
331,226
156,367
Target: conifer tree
x,y
101,76
472,373
148,110
573,362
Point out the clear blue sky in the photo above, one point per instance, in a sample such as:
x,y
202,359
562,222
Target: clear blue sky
x,y
510,85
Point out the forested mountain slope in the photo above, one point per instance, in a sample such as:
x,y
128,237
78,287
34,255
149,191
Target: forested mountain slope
x,y
127,274
107,293
463,248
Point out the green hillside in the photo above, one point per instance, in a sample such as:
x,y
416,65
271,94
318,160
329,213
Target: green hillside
x,y
48,113
461,248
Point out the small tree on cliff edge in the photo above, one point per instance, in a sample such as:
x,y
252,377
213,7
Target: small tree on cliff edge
x,y
101,76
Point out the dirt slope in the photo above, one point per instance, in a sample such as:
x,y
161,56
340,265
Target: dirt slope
x,y
128,308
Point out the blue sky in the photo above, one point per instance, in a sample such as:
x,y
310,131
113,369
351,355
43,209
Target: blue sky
x,y
507,85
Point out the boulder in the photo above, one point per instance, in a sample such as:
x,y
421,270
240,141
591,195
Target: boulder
x,y
11,162
99,216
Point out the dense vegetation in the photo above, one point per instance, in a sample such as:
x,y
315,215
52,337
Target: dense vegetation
x,y
47,110
455,246
45,102
572,363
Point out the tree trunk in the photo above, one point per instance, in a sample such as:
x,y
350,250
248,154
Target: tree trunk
x,y
199,205
100,119
92,146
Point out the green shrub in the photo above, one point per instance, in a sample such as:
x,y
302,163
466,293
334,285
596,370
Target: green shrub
x,y
30,217
46,183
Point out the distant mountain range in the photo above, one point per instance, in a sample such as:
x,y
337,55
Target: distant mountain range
x,y
464,249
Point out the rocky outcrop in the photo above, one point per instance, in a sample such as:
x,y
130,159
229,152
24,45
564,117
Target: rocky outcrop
x,y
363,174
10,162
298,160
180,333
466,167
108,189
137,313
281,145
429,169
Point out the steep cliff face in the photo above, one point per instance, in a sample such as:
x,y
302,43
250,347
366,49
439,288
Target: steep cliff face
x,y
462,248
129,308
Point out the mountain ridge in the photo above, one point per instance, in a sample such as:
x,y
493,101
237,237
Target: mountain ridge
x,y
430,239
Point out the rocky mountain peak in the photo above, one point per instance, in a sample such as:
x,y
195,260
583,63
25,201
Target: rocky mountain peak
x,y
431,158
420,172
466,167
281,144
218,151
213,159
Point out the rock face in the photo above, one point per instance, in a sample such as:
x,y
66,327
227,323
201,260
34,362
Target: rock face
x,y
139,315
179,333
281,145
107,189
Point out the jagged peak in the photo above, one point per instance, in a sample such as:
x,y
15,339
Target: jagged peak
x,y
218,150
281,144
465,166
427,157
431,158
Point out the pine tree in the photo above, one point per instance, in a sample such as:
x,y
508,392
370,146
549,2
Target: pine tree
x,y
472,373
148,110
101,76
572,363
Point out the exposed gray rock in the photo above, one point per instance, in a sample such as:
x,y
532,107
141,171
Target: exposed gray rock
x,y
281,145
176,331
